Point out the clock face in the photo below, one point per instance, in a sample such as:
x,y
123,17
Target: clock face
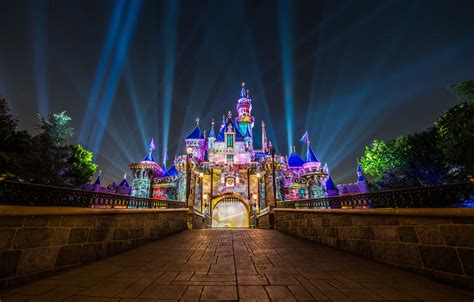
x,y
229,182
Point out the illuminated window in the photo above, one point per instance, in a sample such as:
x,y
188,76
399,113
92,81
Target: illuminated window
x,y
230,140
230,158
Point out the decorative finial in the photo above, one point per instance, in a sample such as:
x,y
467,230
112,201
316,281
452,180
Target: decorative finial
x,y
263,124
204,133
125,176
243,84
212,122
229,114
100,172
197,121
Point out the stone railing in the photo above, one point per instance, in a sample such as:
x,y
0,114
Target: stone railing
x,y
438,242
17,193
38,241
450,195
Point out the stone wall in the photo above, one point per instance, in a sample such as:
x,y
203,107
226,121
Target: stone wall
x,y
436,242
198,221
265,221
37,241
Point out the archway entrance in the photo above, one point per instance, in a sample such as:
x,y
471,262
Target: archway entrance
x,y
230,211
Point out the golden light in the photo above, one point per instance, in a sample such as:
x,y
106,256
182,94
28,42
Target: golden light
x,y
201,174
258,175
189,150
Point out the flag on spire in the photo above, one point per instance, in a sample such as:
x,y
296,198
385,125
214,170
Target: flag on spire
x,y
305,138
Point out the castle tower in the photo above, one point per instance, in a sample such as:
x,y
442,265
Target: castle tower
x,y
244,120
212,136
195,142
311,161
331,189
361,181
143,172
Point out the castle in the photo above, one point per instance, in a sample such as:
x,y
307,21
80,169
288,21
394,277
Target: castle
x,y
229,178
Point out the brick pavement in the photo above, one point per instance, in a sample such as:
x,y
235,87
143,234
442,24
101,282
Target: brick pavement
x,y
251,265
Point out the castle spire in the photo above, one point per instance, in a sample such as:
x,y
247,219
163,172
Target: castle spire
x,y
242,92
212,133
151,147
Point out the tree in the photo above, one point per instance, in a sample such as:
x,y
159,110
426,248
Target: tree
x,y
81,166
464,90
382,156
456,138
51,152
55,129
14,145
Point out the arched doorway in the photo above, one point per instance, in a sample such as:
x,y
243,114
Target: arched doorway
x,y
230,211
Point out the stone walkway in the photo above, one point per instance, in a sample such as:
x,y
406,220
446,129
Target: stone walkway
x,y
252,265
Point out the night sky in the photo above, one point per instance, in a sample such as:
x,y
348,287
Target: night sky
x,y
125,71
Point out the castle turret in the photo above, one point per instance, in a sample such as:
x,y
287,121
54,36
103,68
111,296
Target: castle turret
x,y
244,120
195,141
295,162
331,189
143,172
311,161
212,136
361,181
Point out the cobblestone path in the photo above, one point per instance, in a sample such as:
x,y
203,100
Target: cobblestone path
x,y
250,265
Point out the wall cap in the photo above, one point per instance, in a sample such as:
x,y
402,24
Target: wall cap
x,y
9,210
431,212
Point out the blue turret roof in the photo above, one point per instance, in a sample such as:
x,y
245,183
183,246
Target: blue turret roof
x,y
171,172
97,181
124,183
295,160
310,156
195,134
149,157
360,173
239,137
212,133
330,184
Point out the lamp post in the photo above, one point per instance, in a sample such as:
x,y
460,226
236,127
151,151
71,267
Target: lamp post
x,y
188,174
201,175
258,193
272,151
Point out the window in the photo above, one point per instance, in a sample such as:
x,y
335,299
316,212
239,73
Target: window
x,y
230,158
230,141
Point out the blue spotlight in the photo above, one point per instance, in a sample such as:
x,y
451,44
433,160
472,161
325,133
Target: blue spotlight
x,y
40,56
284,16
169,35
123,44
101,70
135,100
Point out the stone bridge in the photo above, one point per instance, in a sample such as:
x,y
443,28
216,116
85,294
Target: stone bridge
x,y
81,254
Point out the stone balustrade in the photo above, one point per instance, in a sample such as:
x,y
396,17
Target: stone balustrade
x,y
38,241
435,242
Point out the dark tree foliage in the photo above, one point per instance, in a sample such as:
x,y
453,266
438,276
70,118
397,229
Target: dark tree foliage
x,y
443,153
14,145
46,158
464,90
